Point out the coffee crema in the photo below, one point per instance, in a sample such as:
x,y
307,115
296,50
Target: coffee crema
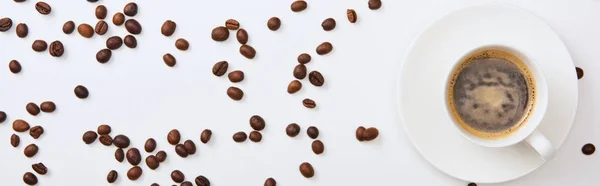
x,y
491,93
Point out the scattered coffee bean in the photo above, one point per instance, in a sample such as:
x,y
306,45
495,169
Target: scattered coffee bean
x,y
106,140
43,8
155,184
220,68
36,131
2,116
57,49
220,33
240,137
112,176
103,129
119,154
257,123
161,156
182,44
85,30
472,184
304,58
31,150
89,137
190,147
324,48
236,76
180,150
20,125
588,149
121,141
309,103
118,19
235,93
307,170
133,156
32,109
134,173
150,145
91,1
100,12
328,24
30,179
68,27
579,72
22,30
374,4
247,51
205,136
186,183
318,147
292,130
174,137
5,24
130,41
169,60
312,132
40,168
101,27
177,176
130,9
316,78
294,86
133,27
298,6
81,92
232,24
15,140
152,162
48,106
300,71
274,23
103,55
202,181
242,36
352,17
370,134
168,28
15,67
19,1
255,136
39,45
114,42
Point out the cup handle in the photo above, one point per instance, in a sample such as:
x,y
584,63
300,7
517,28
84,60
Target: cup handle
x,y
541,145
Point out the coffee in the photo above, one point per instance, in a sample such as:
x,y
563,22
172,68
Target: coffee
x,y
491,93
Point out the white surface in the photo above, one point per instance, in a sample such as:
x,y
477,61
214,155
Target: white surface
x,y
141,97
424,80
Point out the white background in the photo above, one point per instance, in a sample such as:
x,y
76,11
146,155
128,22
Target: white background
x,y
138,95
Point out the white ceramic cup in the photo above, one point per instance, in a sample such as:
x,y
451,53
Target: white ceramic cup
x,y
528,133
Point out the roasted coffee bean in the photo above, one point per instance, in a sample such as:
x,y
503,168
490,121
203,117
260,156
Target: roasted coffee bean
x,y
205,136
133,156
152,162
169,60
472,184
134,173
579,72
15,140
588,149
190,147
68,27
15,67
30,179
112,176
220,33
130,9
101,27
182,44
324,48
294,86
89,137
119,154
202,181
359,133
57,49
2,116
121,141
235,93
40,168
155,184
43,8
106,140
274,23
39,45
104,129
22,30
300,71
118,19
174,137
328,24
36,131
255,136
177,176
48,106
168,28
5,24
318,147
352,17
103,55
92,1
114,42
150,145
257,123
292,130
232,24
220,68
81,92
186,183
298,6
309,103
161,156
304,58
240,137
180,150
133,27
130,41
242,36
316,78
312,132
100,12
307,170
236,76
247,51
20,125
19,1
370,134
32,108
374,4
270,182
31,150
85,30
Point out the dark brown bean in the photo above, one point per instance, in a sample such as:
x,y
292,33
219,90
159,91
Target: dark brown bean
x,y
119,154
121,141
309,103
40,168
312,132
240,137
22,30
101,12
101,27
57,49
168,28
257,123
318,147
247,51
374,4
5,24
118,19
152,162
235,93
104,129
169,60
472,184
30,179
39,45
48,106
177,176
15,140
294,86
2,116
31,150
112,176
68,27
190,147
579,72
133,156
255,136
106,140
205,136
134,173
202,181
154,184
300,71
324,48
186,183
182,44
89,137
180,150
15,67
274,23
81,92
588,149
316,78
150,145
85,30
307,170
130,9
328,24
351,14
232,24
20,125
370,134
132,26
130,41
161,156
36,131
219,33
292,130
242,36
304,58
298,6
359,133
32,108
114,42
236,76
220,68
103,55
43,8
173,137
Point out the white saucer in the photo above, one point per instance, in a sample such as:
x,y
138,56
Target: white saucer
x,y
423,80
